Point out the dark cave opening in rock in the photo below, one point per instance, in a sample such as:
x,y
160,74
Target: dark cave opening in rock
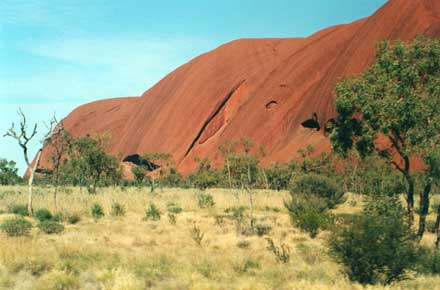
x,y
312,123
139,161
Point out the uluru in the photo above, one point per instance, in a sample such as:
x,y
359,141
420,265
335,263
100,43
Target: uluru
x,y
265,89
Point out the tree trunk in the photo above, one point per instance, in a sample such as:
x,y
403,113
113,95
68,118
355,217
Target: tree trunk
x,y
410,198
229,173
31,182
424,209
437,227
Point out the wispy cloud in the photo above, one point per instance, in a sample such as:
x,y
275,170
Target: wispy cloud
x,y
99,68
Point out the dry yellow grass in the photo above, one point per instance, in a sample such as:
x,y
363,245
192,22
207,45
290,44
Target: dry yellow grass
x,y
129,253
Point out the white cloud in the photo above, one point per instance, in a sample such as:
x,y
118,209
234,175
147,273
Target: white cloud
x,y
88,69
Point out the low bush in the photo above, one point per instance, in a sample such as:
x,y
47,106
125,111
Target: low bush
x,y
117,209
428,261
172,218
262,229
319,186
73,218
18,209
309,213
51,227
16,227
43,214
97,211
152,213
243,244
377,246
205,200
174,208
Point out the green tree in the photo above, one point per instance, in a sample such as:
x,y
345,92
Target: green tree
x,y
8,172
279,175
396,104
91,162
376,247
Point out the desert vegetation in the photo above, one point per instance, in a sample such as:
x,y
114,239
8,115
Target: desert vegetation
x,y
358,217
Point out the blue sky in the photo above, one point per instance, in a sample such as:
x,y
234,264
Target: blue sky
x,y
56,55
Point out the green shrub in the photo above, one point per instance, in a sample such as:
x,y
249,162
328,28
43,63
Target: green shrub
x,y
430,226
377,246
43,214
320,186
51,227
174,208
262,229
428,261
58,217
97,211
16,227
152,213
117,209
205,200
73,218
18,209
309,213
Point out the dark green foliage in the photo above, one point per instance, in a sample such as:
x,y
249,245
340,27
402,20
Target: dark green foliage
x,y
282,252
279,175
58,217
139,175
117,209
319,186
428,261
172,178
51,227
205,200
73,218
97,211
8,172
205,179
308,215
152,213
18,209
174,207
312,196
43,214
16,227
262,229
90,164
376,247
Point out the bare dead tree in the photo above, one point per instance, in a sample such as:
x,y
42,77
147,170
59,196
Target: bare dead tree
x,y
23,138
59,142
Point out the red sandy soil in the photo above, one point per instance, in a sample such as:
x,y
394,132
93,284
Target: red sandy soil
x,y
260,88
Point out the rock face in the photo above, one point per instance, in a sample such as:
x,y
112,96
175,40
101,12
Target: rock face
x,y
260,88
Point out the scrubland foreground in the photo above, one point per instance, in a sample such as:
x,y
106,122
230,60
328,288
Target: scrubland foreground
x,y
198,248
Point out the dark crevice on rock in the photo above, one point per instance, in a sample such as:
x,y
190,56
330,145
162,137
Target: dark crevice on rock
x,y
212,116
